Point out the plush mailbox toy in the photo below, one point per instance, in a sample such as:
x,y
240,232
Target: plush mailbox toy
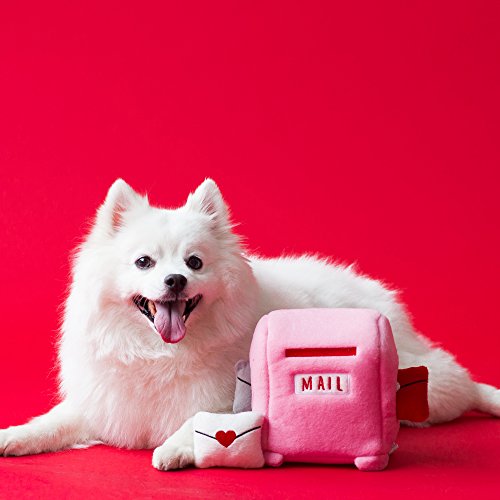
x,y
326,381
322,386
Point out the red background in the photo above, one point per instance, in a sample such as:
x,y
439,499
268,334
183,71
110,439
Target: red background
x,y
367,132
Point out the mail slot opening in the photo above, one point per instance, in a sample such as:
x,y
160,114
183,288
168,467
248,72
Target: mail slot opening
x,y
311,352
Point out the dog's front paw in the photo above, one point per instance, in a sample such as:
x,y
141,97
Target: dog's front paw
x,y
15,442
169,457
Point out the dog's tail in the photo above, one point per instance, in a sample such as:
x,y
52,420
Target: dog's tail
x,y
488,399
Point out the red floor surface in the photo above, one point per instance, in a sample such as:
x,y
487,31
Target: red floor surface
x,y
460,460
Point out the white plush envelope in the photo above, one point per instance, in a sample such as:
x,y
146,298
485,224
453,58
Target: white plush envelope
x,y
228,440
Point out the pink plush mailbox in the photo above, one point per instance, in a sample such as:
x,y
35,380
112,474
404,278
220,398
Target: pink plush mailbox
x,y
326,380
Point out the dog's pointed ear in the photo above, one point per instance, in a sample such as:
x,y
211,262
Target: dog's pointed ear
x,y
208,200
120,198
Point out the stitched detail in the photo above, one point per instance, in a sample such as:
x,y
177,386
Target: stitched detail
x,y
208,435
307,352
411,383
236,437
330,384
249,430
225,438
244,381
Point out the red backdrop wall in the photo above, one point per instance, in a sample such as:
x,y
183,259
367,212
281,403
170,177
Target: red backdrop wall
x,y
364,132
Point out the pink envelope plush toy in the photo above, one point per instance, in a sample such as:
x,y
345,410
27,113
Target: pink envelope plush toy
x,y
325,381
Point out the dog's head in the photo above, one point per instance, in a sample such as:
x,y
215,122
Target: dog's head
x,y
167,267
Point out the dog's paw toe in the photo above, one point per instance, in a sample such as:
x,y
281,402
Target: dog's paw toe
x,y
168,457
13,442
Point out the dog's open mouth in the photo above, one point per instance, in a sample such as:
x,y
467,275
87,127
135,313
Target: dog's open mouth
x,y
168,317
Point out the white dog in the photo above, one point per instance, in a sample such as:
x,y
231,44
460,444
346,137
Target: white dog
x,y
162,305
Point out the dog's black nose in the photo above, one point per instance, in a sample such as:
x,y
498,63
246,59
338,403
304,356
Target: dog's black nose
x,y
175,282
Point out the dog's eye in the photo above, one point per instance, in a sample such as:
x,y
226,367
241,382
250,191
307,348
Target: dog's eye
x,y
144,262
194,262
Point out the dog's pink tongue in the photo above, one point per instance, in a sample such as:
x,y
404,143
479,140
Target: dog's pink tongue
x,y
168,321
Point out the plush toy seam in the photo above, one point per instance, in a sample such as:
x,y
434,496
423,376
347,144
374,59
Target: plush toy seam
x,y
380,379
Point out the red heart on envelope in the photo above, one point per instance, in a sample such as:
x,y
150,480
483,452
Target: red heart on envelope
x,y
225,438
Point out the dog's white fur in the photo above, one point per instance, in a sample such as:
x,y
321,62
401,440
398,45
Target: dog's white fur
x,y
122,385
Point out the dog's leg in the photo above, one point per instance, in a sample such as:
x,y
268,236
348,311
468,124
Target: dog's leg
x,y
60,428
177,451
